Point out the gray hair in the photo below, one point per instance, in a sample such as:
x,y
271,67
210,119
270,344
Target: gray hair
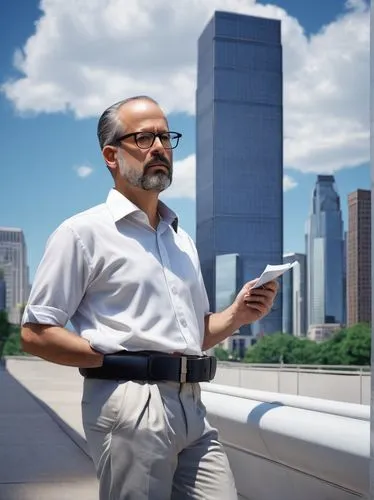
x,y
109,126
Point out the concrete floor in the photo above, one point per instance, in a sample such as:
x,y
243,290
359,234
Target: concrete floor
x,y
38,460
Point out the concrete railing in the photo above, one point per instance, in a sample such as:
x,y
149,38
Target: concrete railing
x,y
350,384
287,447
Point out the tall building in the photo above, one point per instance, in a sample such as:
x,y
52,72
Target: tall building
x,y
13,263
294,296
359,257
345,278
239,150
2,291
228,271
325,249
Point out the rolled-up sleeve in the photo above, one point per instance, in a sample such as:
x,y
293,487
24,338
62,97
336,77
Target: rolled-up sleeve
x,y
61,279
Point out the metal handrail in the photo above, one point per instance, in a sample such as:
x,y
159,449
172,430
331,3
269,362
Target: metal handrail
x,y
299,367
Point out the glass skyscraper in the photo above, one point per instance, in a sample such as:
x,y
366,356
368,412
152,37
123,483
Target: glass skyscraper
x,y
15,272
2,292
239,149
228,280
294,295
325,254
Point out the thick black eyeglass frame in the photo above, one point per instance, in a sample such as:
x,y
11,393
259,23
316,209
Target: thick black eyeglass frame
x,y
177,136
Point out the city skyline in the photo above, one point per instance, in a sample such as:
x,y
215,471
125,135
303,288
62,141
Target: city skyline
x,y
356,273
51,99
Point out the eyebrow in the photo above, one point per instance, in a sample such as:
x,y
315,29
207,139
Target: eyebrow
x,y
147,129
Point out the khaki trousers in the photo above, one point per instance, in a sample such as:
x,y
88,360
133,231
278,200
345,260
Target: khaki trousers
x,y
151,441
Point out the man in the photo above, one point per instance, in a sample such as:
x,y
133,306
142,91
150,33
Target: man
x,y
128,277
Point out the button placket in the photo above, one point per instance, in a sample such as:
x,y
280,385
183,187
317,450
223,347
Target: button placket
x,y
173,289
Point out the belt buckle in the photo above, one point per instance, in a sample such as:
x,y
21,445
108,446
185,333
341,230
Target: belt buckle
x,y
183,370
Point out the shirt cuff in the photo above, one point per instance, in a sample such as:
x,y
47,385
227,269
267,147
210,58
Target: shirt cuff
x,y
44,315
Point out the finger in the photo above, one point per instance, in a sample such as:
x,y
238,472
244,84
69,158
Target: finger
x,y
265,301
249,286
258,306
262,292
271,285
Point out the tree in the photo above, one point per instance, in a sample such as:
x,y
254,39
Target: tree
x,y
5,331
304,352
13,344
356,345
330,352
348,346
221,354
272,349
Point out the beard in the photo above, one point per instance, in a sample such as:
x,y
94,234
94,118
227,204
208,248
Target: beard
x,y
149,180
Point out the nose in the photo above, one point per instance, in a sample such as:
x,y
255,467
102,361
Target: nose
x,y
157,145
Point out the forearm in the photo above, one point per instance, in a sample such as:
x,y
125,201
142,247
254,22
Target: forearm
x,y
59,345
219,326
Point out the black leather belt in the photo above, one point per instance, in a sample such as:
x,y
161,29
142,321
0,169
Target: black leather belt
x,y
156,366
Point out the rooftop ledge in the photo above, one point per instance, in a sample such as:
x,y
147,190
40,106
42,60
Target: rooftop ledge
x,y
290,447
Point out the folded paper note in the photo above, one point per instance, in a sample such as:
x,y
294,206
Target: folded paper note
x,y
273,272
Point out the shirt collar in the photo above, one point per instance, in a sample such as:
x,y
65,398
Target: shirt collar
x,y
168,215
120,207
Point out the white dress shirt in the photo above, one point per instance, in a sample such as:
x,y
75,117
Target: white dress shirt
x,y
122,284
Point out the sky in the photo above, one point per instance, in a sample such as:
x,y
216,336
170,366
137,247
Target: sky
x,y
62,62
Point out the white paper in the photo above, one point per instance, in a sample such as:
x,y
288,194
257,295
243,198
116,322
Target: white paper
x,y
273,272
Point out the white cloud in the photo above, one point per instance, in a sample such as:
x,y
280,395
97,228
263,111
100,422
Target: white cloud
x,y
288,183
83,171
87,54
184,174
360,5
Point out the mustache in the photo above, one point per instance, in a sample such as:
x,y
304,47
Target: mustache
x,y
158,160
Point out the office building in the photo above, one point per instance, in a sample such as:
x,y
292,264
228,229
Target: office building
x,y
325,249
2,292
239,194
13,263
344,321
359,257
294,295
320,333
228,284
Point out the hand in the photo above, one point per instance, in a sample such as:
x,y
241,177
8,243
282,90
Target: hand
x,y
252,304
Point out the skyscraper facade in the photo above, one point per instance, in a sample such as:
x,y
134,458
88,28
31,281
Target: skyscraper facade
x,y
2,292
294,295
239,149
13,263
325,249
359,257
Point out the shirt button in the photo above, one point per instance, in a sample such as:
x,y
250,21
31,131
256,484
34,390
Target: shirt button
x,y
174,290
183,323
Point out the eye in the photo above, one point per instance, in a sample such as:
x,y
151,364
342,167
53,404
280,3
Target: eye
x,y
144,138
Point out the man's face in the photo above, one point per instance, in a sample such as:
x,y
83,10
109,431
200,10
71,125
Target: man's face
x,y
150,169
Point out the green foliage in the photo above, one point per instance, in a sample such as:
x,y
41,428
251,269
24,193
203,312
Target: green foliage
x,y
349,346
221,354
355,345
10,337
271,349
5,330
13,346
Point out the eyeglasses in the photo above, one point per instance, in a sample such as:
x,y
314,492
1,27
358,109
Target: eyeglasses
x,y
145,140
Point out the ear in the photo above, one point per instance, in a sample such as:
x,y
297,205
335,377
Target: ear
x,y
110,157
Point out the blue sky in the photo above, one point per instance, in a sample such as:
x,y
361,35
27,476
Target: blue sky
x,y
76,62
